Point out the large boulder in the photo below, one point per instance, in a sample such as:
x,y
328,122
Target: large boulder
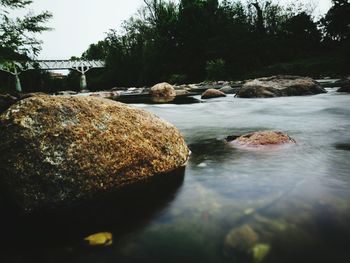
x,y
262,139
212,93
56,151
345,88
162,92
278,86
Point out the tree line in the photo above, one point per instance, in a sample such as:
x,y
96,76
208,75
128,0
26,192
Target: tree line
x,y
196,40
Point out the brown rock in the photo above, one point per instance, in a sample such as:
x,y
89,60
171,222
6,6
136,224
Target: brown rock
x,y
58,150
162,92
262,138
278,86
212,93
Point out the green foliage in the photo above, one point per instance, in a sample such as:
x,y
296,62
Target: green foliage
x,y
337,21
201,39
177,79
215,69
17,38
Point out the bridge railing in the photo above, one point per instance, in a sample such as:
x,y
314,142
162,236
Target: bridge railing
x,y
16,67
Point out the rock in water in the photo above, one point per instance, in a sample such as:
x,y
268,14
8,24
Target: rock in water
x,y
212,93
261,139
228,90
162,92
278,86
58,150
344,89
242,239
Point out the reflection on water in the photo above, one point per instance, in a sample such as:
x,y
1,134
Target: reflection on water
x,y
287,205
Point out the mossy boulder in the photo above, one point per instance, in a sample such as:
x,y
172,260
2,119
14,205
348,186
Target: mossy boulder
x,y
56,151
280,86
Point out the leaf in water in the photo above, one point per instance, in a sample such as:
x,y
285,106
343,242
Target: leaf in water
x,y
100,239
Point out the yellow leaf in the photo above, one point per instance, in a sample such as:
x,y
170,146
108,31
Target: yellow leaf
x,y
100,239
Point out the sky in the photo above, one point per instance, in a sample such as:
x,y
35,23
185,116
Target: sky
x,y
78,23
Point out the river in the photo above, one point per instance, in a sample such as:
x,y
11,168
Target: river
x,y
290,204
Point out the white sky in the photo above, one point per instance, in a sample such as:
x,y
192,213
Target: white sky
x,y
78,23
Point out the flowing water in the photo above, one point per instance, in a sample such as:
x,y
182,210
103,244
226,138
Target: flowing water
x,y
233,205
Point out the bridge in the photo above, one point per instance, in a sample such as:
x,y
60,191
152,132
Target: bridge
x,y
17,67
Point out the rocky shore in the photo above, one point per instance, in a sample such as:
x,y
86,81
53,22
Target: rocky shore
x,y
274,86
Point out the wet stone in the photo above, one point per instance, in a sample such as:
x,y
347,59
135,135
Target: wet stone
x,y
261,139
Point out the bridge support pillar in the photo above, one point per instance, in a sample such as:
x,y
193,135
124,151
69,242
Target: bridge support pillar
x,y
18,84
83,83
18,81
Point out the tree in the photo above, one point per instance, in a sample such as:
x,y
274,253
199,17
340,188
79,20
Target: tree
x,y
337,21
302,33
96,51
16,34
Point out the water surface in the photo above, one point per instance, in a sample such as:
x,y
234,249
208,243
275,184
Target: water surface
x,y
296,200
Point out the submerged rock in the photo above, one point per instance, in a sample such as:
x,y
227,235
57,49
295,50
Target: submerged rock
x,y
59,150
162,92
278,86
241,239
212,93
241,245
262,138
260,251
